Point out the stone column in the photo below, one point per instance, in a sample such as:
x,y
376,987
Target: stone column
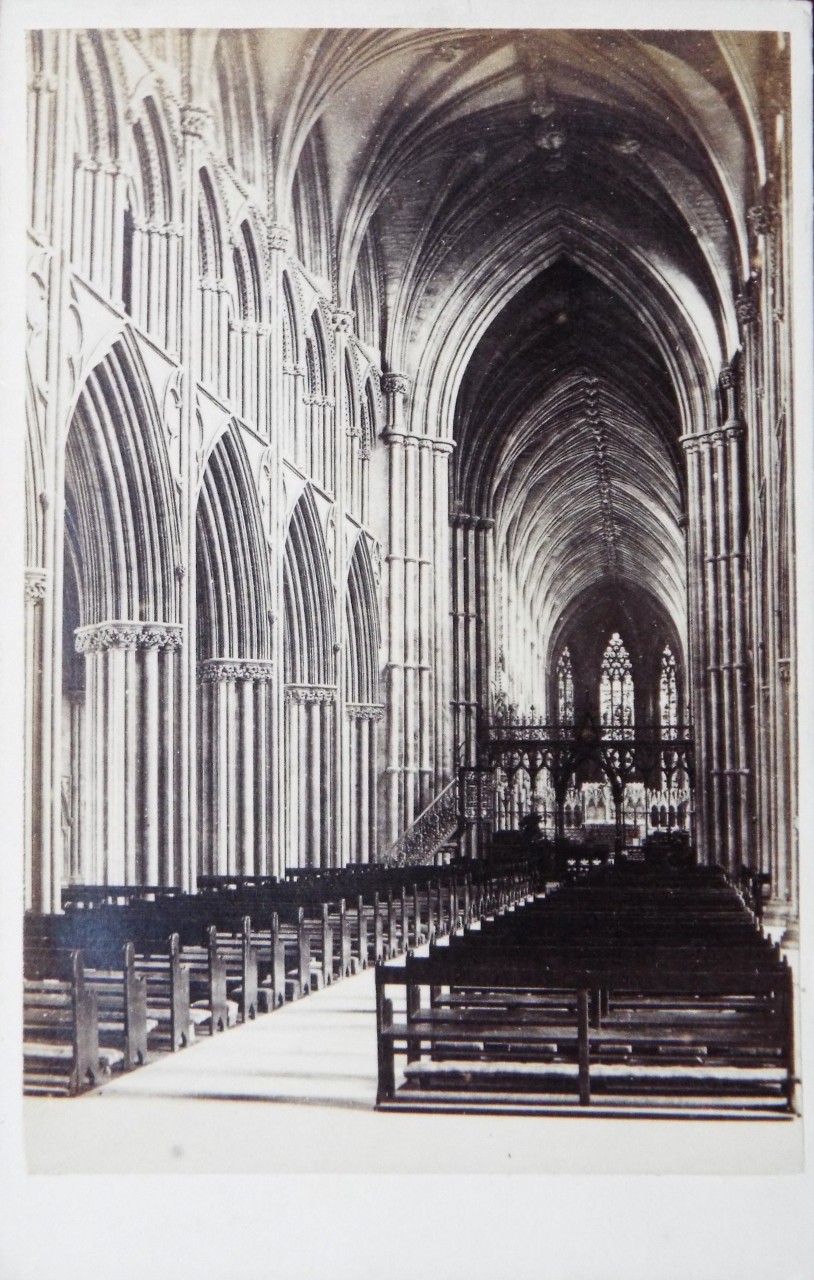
x,y
310,741
54,92
35,591
396,388
129,782
234,778
442,639
283,765
342,325
194,126
363,719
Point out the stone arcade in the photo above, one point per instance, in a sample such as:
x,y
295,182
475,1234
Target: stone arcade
x,y
388,390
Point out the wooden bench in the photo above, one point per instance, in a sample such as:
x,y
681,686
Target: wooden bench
x,y
536,1035
61,1053
647,988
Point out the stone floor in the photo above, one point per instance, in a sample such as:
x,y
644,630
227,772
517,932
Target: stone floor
x,y
294,1092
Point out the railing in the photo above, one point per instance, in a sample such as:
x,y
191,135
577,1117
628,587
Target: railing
x,y
432,828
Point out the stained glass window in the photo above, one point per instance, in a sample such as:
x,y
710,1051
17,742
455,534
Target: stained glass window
x,y
668,695
616,689
565,689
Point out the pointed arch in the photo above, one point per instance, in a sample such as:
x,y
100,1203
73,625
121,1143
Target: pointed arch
x,y
232,579
155,176
669,713
365,293
291,324
121,516
248,275
308,595
316,356
311,210
565,688
236,104
210,224
363,628
34,475
616,688
371,412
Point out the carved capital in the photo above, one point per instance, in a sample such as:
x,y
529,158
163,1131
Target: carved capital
x,y
762,218
216,670
464,520
299,693
365,711
342,321
746,308
395,384
195,121
35,580
101,636
443,447
690,444
279,237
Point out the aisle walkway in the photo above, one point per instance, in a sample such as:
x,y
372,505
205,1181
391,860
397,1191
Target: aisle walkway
x,y
294,1092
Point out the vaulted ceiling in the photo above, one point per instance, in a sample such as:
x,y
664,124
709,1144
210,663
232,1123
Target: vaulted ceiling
x,y
557,223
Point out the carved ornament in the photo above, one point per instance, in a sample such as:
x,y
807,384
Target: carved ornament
x,y
310,693
101,636
35,580
365,710
216,670
395,384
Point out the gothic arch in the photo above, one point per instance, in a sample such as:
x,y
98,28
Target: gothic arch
x,y
247,263
120,510
237,117
292,322
232,579
309,600
34,475
311,209
363,628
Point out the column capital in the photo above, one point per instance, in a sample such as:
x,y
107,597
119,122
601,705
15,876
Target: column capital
x,y
279,237
728,378
35,583
396,384
195,121
762,218
465,520
746,303
216,670
310,693
101,636
442,446
365,710
342,321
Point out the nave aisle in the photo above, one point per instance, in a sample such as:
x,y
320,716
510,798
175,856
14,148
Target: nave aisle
x,y
294,1092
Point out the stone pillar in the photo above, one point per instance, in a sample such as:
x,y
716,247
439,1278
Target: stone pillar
x,y
342,325
55,113
362,719
310,733
396,388
234,769
282,764
194,126
129,781
442,638
35,591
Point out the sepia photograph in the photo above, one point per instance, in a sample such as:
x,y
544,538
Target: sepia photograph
x,y
412,475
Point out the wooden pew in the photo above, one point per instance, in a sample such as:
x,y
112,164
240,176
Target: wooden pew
x,y
61,1052
551,1050
121,996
